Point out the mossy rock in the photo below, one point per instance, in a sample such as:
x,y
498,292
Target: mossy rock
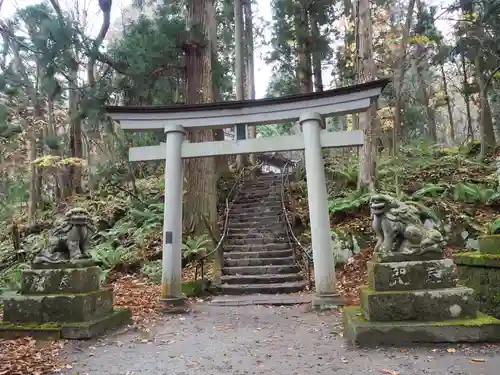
x,y
477,259
486,283
360,331
418,305
489,244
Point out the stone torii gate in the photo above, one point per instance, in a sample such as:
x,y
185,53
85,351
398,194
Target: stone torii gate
x,y
308,108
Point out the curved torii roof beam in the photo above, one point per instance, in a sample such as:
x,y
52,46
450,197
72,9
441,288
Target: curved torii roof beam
x,y
349,99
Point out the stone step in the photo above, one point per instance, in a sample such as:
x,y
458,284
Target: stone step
x,y
422,305
237,289
257,234
254,212
255,223
278,229
252,218
251,262
263,189
260,270
261,279
258,254
255,248
268,209
231,241
257,200
261,186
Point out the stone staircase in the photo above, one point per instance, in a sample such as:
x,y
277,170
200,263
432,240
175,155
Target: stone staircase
x,y
257,255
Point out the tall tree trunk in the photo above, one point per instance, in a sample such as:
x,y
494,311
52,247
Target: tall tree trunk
x,y
34,188
466,91
448,105
76,144
316,54
304,68
249,69
425,94
221,162
486,130
367,71
399,73
357,62
200,199
239,67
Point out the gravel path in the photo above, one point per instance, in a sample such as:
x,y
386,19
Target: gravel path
x,y
264,340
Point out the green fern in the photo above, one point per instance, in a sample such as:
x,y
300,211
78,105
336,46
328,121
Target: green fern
x,y
349,203
493,227
431,191
474,193
195,247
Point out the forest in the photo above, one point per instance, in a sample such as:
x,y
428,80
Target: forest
x,y
436,120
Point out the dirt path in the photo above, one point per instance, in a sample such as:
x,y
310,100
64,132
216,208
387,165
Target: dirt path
x,y
263,340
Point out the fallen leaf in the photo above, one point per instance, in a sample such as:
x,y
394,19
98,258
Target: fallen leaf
x,y
389,372
477,360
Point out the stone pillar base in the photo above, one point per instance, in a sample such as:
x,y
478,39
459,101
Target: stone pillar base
x,y
327,301
174,305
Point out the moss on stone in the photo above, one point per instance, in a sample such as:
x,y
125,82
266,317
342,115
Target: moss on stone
x,y
477,259
486,282
489,244
418,305
480,320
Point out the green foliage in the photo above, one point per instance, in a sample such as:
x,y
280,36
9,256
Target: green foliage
x,y
10,278
493,227
351,202
195,247
431,191
152,271
475,193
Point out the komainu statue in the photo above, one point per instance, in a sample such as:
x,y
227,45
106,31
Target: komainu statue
x,y
400,233
68,241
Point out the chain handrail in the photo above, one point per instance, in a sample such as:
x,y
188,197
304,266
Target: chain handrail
x,y
290,232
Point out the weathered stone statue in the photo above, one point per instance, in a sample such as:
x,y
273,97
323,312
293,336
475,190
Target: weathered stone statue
x,y
68,241
400,234
61,295
412,293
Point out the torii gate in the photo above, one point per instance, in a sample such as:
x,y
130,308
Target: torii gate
x,y
308,108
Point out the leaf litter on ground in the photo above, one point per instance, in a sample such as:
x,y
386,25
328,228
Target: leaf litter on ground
x,y
28,356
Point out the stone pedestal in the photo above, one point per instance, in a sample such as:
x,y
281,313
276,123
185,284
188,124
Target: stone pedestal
x,y
480,270
64,302
416,301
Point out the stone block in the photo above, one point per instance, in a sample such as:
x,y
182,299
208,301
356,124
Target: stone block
x,y
65,280
489,244
400,257
21,309
82,263
87,330
431,274
58,308
359,331
486,283
477,259
419,305
68,330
